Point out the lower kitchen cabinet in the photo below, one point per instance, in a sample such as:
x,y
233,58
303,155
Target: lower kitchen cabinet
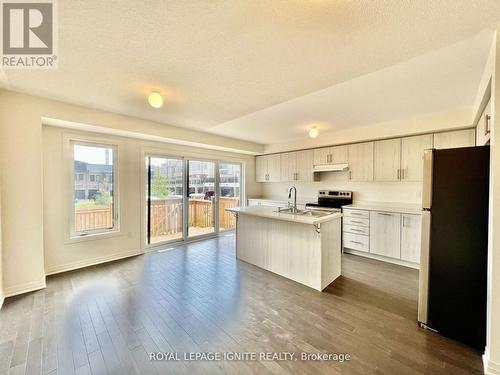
x,y
389,236
385,234
410,237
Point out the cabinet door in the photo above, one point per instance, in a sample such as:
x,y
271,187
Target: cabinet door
x,y
454,139
483,126
322,156
274,168
304,171
339,154
410,237
412,156
288,165
360,157
260,168
387,156
385,231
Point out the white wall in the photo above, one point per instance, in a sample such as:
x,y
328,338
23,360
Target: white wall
x,y
21,183
492,354
1,271
61,253
393,192
412,126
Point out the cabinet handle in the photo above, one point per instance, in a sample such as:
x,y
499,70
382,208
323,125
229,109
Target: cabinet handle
x,y
357,222
359,243
297,176
404,221
399,174
357,230
350,175
487,119
384,214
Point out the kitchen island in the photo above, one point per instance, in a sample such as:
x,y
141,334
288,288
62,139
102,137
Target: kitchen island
x,y
304,247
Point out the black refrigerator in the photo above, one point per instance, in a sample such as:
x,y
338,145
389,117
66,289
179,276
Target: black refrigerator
x,y
454,246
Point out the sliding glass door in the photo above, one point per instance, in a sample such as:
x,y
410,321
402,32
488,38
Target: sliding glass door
x,y
202,197
229,193
165,187
187,198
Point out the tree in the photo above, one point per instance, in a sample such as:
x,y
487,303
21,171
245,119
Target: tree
x,y
159,186
103,198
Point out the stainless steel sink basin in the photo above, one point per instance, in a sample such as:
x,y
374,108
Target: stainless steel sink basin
x,y
315,213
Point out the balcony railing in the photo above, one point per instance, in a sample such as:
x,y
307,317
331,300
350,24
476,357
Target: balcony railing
x,y
166,216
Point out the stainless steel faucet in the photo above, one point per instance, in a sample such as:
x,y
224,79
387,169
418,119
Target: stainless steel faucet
x,y
294,208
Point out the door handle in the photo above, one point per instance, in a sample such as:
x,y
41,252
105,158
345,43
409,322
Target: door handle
x,y
487,119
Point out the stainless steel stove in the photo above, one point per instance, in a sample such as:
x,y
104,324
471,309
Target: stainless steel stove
x,y
331,200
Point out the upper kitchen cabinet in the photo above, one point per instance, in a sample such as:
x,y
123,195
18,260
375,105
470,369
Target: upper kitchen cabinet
x,y
305,161
387,156
455,139
268,168
483,126
412,156
360,158
288,166
297,166
330,155
260,168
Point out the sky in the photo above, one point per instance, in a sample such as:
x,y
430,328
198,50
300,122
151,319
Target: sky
x,y
92,155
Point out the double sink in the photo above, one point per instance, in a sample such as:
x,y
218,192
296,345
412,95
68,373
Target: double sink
x,y
314,213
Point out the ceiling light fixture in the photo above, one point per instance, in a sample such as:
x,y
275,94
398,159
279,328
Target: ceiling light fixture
x,y
313,132
155,100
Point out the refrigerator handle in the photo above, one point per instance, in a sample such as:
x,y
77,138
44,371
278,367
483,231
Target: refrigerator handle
x,y
427,178
423,281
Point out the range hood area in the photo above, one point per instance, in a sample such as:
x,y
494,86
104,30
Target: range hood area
x,y
341,167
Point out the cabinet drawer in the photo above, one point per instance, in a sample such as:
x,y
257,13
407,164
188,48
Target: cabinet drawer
x,y
356,229
356,242
356,221
356,213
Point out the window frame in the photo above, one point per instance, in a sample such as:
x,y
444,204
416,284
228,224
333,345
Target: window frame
x,y
73,234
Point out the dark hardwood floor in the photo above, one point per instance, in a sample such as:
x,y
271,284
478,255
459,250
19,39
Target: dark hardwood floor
x,y
199,298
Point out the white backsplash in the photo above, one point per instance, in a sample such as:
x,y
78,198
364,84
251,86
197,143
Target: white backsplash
x,y
386,192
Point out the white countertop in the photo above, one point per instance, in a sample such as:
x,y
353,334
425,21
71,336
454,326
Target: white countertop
x,y
302,201
271,213
386,207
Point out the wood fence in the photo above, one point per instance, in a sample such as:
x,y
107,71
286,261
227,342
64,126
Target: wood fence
x,y
166,215
93,218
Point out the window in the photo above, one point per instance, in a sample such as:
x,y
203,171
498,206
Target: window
x,y
94,202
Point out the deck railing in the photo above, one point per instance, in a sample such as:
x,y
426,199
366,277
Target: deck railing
x,y
166,215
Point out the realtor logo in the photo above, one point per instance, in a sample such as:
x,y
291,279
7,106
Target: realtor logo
x,y
28,34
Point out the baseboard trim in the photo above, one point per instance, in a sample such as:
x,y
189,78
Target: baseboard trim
x,y
23,288
490,367
89,262
382,258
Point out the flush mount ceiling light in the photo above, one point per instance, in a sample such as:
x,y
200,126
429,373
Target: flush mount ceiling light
x,y
155,100
313,132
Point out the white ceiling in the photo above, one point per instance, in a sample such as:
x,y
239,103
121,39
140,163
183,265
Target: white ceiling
x,y
225,65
